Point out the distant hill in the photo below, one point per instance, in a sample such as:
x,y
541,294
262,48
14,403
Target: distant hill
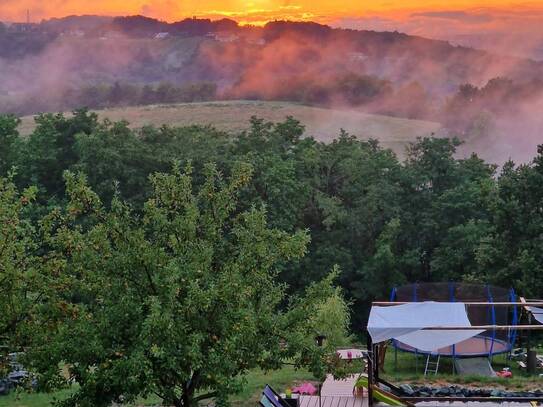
x,y
323,124
86,23
124,61
234,51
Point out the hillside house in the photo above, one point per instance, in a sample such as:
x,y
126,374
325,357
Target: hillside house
x,y
161,36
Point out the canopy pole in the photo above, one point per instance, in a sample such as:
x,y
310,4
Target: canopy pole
x,y
370,370
483,328
513,332
376,363
494,304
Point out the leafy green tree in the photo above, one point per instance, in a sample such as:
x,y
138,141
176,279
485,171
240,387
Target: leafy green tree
x,y
431,217
10,143
119,159
512,252
20,283
332,318
114,158
273,150
382,270
181,301
50,150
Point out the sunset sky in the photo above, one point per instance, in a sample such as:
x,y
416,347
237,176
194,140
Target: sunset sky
x,y
499,25
244,10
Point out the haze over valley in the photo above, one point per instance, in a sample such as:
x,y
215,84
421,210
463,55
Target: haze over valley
x,y
102,62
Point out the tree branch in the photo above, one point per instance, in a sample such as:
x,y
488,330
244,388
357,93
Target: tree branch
x,y
205,396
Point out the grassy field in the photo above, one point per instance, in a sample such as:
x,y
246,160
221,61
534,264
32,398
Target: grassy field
x,y
323,124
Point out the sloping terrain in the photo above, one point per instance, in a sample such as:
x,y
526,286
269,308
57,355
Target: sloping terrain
x,y
323,124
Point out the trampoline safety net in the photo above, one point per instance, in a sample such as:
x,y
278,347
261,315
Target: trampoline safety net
x,y
488,343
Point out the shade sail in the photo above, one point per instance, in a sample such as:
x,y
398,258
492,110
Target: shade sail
x,y
406,323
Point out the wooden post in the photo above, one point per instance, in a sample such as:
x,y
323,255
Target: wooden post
x,y
530,354
377,360
320,390
370,370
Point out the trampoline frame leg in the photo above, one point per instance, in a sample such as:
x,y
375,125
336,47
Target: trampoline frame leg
x,y
395,359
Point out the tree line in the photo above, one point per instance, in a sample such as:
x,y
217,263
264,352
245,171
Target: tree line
x,y
118,94
129,254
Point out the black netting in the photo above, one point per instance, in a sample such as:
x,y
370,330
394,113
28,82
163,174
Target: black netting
x,y
489,342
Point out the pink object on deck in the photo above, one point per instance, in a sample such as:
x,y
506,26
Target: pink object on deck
x,y
305,388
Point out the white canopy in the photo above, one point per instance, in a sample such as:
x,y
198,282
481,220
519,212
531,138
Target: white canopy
x,y
537,313
406,322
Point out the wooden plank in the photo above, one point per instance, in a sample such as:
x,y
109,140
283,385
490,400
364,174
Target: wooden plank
x,y
309,401
333,401
342,388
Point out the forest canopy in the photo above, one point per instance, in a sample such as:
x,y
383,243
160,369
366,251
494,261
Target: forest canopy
x,y
104,225
383,220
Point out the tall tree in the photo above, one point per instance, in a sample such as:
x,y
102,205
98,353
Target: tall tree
x,y
180,302
50,150
21,287
10,143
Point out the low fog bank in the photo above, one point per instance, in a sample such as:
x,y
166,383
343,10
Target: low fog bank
x,y
137,61
507,31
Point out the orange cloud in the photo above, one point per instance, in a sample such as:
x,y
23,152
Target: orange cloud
x,y
244,10
497,25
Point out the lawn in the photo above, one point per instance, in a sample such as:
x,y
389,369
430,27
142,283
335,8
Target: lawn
x,y
23,399
408,370
279,380
256,381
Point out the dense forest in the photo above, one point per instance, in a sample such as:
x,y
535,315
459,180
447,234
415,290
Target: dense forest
x,y
171,261
430,217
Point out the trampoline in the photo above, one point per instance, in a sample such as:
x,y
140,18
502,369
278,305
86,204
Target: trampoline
x,y
488,343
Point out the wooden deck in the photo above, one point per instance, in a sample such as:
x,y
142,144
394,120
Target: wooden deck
x,y
335,393
333,401
340,388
